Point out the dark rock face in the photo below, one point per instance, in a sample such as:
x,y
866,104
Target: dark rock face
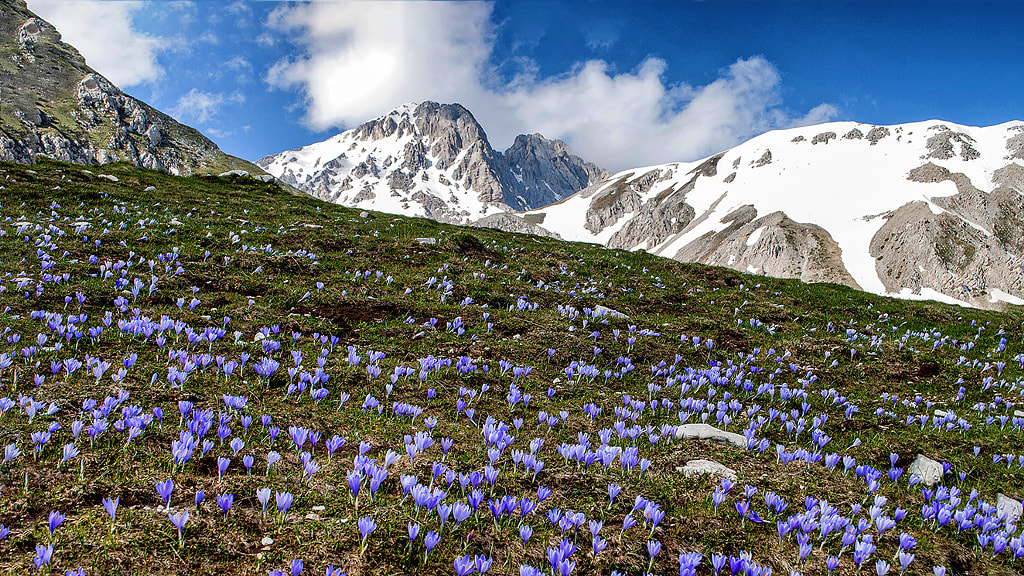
x,y
546,169
56,105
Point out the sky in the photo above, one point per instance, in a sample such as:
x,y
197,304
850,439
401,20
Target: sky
x,y
625,84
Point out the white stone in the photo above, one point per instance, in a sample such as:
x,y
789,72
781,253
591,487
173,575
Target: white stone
x,y
940,413
602,311
267,541
698,467
1018,413
1013,508
265,178
319,508
241,173
711,434
176,222
364,214
426,240
929,471
150,189
258,338
109,177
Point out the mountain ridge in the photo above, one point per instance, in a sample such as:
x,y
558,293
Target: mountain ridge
x,y
433,160
52,103
928,209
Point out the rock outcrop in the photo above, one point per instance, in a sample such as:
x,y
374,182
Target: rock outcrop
x,y
54,104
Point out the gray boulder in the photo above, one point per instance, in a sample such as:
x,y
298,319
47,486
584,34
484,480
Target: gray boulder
x,y
929,471
1013,508
602,311
698,467
712,434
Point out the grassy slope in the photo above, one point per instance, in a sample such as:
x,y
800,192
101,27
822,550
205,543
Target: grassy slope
x,y
668,297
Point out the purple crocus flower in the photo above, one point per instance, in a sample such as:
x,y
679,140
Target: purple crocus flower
x,y
366,527
111,507
43,555
905,559
613,492
430,540
55,519
354,480
464,565
263,495
653,548
718,562
225,501
284,501
179,519
483,564
296,567
164,489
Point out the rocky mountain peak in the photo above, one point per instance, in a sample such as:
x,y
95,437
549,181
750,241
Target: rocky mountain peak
x,y
548,166
433,159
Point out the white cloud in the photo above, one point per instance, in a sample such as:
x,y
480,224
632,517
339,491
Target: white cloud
x,y
121,53
364,58
239,8
361,60
238,63
202,107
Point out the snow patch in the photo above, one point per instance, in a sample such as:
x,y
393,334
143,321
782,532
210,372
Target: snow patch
x,y
997,295
755,236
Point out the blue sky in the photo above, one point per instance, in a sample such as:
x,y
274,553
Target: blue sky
x,y
624,83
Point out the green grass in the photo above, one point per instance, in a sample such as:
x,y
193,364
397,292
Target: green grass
x,y
668,297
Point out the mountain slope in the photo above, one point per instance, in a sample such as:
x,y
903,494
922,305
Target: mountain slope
x,y
272,326
53,103
929,209
433,160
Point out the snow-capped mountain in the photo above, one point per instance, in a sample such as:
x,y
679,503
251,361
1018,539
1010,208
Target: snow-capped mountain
x,y
433,160
923,210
